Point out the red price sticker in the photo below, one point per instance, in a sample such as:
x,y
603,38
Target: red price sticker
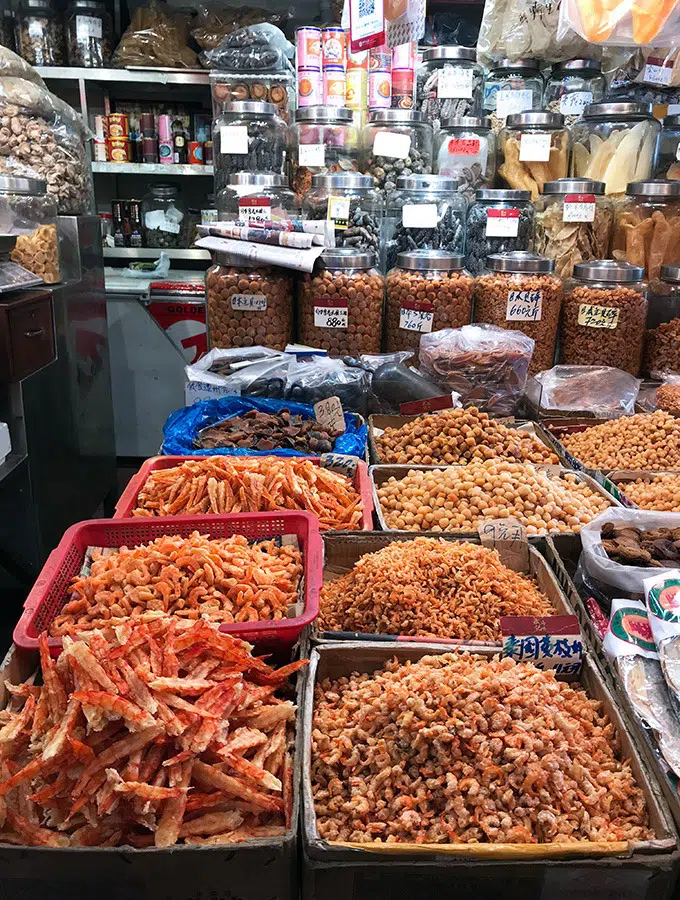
x,y
464,146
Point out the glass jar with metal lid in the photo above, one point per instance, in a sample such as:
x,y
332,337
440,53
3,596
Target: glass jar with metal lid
x,y
428,290
667,153
39,33
647,225
424,213
450,83
521,292
497,222
341,303
28,211
572,86
324,139
89,34
257,197
604,314
661,354
512,86
534,147
248,136
395,142
7,29
164,218
602,152
573,222
465,149
354,206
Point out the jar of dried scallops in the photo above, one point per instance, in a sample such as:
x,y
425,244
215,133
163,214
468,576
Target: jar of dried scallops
x,y
27,210
535,149
661,355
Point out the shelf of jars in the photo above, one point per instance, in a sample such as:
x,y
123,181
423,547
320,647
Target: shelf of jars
x,y
154,253
168,170
198,77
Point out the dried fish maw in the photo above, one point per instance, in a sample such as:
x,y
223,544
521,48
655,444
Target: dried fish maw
x,y
600,159
672,255
559,160
581,158
644,162
636,242
540,172
621,167
658,246
514,172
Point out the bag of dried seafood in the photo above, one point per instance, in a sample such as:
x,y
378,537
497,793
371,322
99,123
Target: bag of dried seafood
x,y
526,28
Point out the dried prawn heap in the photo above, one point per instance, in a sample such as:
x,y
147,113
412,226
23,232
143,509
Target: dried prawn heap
x,y
430,588
224,580
147,735
459,749
221,484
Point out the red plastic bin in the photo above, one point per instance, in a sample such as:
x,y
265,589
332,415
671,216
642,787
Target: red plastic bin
x,y
128,499
50,591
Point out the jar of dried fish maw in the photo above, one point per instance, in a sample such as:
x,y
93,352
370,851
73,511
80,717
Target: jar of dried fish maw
x,y
535,149
662,338
667,153
341,303
27,210
573,222
248,305
647,226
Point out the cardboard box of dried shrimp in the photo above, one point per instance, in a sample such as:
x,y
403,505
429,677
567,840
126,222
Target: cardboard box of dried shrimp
x,y
634,856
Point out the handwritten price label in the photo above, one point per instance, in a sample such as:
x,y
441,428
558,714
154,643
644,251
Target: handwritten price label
x,y
658,71
463,146
329,414
524,306
502,223
249,302
579,208
255,210
414,316
574,103
454,83
509,537
312,154
534,147
331,314
338,211
598,316
339,462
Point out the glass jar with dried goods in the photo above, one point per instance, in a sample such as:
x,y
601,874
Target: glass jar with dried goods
x,y
395,142
341,303
89,34
521,293
512,86
427,291
248,304
465,149
572,86
662,338
257,197
497,222
164,218
605,310
39,33
27,210
667,154
354,206
248,136
450,83
535,149
573,222
647,225
324,139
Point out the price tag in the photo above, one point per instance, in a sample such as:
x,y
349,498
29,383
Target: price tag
x,y
87,27
573,104
454,83
509,537
340,462
509,102
524,306
330,313
416,316
255,210
463,146
234,139
598,316
419,215
658,71
249,302
170,227
329,414
391,144
549,642
534,147
502,223
579,208
338,211
312,154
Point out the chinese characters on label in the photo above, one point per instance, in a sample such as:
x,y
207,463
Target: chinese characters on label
x,y
549,642
524,306
329,414
598,316
331,314
249,302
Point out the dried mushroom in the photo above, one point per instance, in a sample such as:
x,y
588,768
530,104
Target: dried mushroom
x,y
656,548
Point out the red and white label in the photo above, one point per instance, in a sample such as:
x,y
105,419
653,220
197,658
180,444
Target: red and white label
x,y
579,208
433,404
415,316
255,210
464,146
184,323
658,71
502,223
331,313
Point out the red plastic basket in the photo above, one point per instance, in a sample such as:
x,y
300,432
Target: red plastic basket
x,y
50,591
128,499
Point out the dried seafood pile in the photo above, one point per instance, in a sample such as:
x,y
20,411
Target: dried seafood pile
x,y
648,442
267,431
656,548
569,243
660,492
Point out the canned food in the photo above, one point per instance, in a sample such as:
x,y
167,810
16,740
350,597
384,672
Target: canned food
x,y
101,128
358,60
208,152
166,150
334,85
165,128
310,91
355,92
333,43
195,149
308,44
120,238
403,56
119,150
147,125
149,150
380,58
119,125
402,88
101,152
379,88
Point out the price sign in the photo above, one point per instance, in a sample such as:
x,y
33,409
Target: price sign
x,y
658,71
454,83
419,215
249,302
549,642
463,146
524,306
573,104
87,27
330,312
509,102
329,414
234,139
338,211
392,144
578,208
502,223
534,147
312,154
598,316
340,462
255,210
416,316
432,404
508,536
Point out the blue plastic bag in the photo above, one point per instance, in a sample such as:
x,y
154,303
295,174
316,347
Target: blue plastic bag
x,y
183,425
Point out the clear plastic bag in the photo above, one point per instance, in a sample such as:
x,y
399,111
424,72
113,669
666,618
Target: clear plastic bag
x,y
156,37
213,25
512,29
13,66
318,377
257,48
486,365
600,390
624,23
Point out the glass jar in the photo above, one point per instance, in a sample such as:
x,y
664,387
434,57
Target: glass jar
x,y
667,153
661,354
248,304
341,304
572,86
534,147
164,218
521,293
427,291
600,151
7,29
465,149
352,204
255,197
248,136
89,34
450,83
645,225
424,213
324,139
395,142
497,222
27,210
512,87
605,309
573,222
39,33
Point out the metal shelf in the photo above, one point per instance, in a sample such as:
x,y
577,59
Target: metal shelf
x,y
153,253
197,77
169,170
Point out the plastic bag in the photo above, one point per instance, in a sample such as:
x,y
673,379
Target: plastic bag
x,y
257,48
486,365
318,377
600,390
222,373
157,269
623,23
213,25
13,66
640,69
183,425
155,37
512,29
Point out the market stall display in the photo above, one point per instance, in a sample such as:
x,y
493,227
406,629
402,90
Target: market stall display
x,y
263,431
595,391
450,83
572,86
668,397
465,149
647,226
28,211
644,441
352,203
89,34
395,142
658,491
248,136
512,86
535,148
662,336
498,221
323,140
629,546
666,158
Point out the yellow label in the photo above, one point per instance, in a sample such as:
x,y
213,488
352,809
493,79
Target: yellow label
x,y
338,211
598,316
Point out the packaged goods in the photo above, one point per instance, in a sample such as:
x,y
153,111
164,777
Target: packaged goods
x,y
40,34
498,221
465,149
354,206
459,436
620,23
535,149
521,293
655,492
605,310
643,441
13,66
660,596
278,89
460,498
255,48
310,87
267,431
126,750
599,390
155,37
525,29
512,86
213,25
629,546
450,83
89,34
647,226
249,137
667,153
572,86
323,141
668,398
395,142
308,47
28,211
379,89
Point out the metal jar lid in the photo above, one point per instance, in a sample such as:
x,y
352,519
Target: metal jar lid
x,y
10,185
45,5
608,270
466,122
620,109
520,261
577,65
334,115
654,187
262,179
450,52
502,194
426,183
515,65
398,116
671,121
347,258
574,186
250,106
671,274
343,180
93,5
546,119
430,260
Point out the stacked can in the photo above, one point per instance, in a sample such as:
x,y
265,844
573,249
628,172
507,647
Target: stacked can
x,y
308,62
147,126
333,44
119,138
101,136
165,144
356,93
403,76
380,77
